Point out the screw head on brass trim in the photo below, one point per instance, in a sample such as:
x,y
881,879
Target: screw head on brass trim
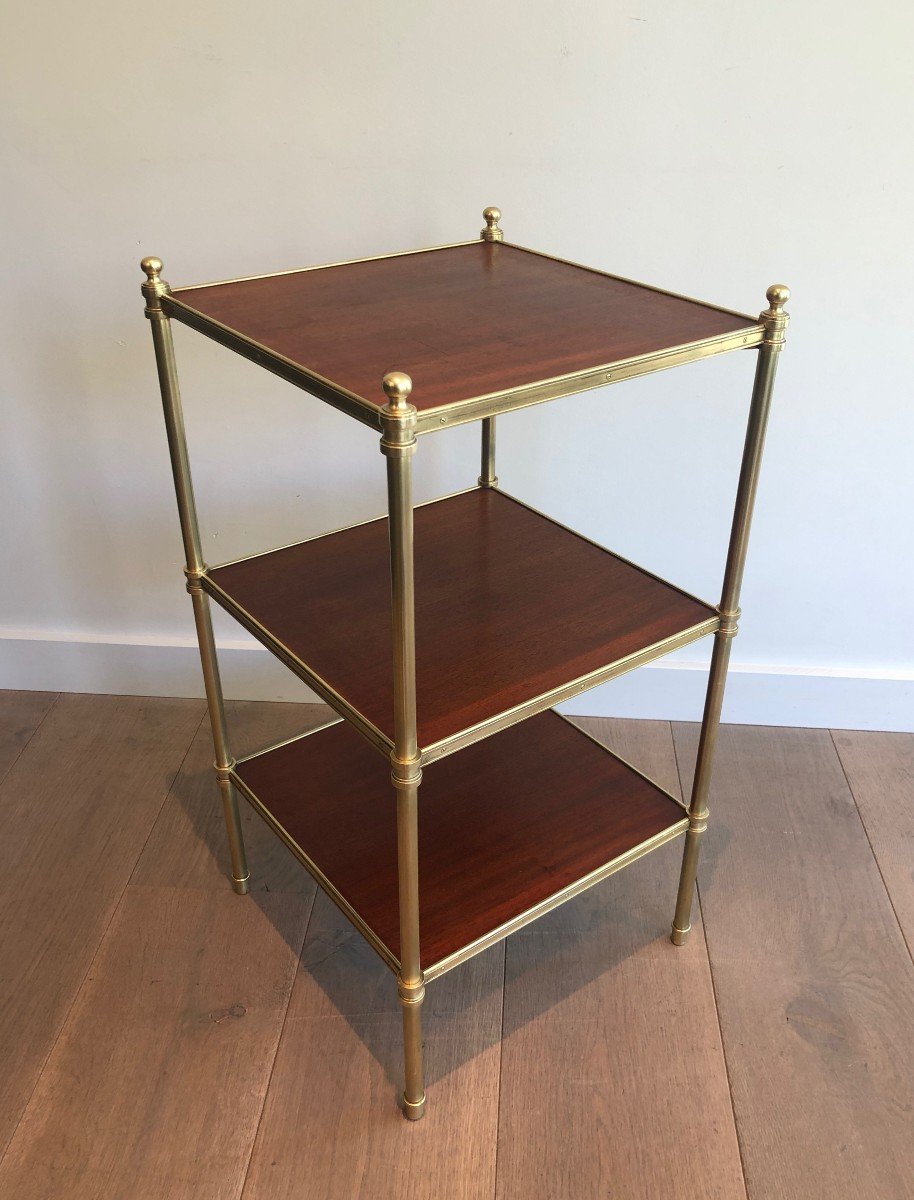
x,y
153,267
777,296
397,387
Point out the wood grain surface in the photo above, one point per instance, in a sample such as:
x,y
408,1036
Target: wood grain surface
x,y
188,846
613,1076
155,1087
151,1048
880,770
461,322
813,981
75,810
20,715
508,606
494,840
331,1127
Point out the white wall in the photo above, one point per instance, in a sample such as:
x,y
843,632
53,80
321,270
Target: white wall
x,y
709,147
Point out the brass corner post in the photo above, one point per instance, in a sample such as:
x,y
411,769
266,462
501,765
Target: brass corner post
x,y
153,290
490,232
398,444
487,477
775,321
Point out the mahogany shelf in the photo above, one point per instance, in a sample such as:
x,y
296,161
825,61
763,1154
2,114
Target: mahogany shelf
x,y
481,327
514,613
509,828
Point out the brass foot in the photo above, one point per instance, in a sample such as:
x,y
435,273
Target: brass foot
x,y
242,886
413,1110
679,937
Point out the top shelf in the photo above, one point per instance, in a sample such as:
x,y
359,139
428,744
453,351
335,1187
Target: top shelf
x,y
480,327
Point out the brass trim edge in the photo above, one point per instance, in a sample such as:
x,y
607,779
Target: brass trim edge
x,y
557,899
625,762
650,287
346,262
318,875
331,393
491,404
297,737
233,562
538,704
329,694
606,550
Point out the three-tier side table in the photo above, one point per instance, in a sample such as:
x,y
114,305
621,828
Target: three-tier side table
x,y
443,634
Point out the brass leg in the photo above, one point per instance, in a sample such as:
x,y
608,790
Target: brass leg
x,y
153,289
410,984
487,476
399,444
224,761
698,809
775,320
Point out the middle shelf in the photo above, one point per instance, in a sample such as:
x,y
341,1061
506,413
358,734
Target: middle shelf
x,y
514,613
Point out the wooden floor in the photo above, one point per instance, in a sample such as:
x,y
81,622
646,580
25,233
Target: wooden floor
x,y
164,1038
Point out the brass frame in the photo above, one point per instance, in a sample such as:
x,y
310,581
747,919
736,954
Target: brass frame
x,y
400,425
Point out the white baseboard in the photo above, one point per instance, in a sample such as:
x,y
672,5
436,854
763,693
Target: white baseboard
x,y
672,689
139,666
814,697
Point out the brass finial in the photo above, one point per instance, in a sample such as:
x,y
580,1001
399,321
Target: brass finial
x,y
397,387
774,318
153,287
491,233
152,266
777,296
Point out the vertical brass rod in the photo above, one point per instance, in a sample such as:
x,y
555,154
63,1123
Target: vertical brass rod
x,y
775,320
490,233
153,289
487,476
411,982
398,443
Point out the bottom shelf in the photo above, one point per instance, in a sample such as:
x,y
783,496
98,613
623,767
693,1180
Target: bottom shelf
x,y
508,829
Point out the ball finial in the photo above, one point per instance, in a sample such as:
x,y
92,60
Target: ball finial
x,y
397,387
491,233
152,266
777,296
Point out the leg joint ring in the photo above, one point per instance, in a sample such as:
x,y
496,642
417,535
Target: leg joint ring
x,y
698,822
193,578
410,994
405,773
729,623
